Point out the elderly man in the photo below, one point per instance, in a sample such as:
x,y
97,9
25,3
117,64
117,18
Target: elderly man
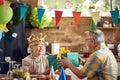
x,y
101,64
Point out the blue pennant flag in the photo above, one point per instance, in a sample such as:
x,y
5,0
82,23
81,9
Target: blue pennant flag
x,y
62,75
23,10
0,34
40,13
115,15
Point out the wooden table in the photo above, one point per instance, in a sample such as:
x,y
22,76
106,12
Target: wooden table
x,y
39,77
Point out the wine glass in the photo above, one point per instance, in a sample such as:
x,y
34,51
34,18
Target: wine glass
x,y
9,73
17,66
7,59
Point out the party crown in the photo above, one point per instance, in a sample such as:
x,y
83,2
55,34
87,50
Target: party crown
x,y
39,37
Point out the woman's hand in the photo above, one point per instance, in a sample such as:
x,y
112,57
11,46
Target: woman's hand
x,y
47,71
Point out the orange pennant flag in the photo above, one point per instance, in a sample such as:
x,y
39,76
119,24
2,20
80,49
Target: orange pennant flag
x,y
58,15
76,16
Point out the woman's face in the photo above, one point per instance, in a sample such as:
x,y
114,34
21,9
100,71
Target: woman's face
x,y
38,49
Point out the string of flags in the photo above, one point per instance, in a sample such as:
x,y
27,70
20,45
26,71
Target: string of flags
x,y
7,13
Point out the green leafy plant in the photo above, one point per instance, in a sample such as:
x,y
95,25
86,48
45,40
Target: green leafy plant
x,y
46,19
18,74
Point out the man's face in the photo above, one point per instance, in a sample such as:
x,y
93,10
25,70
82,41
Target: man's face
x,y
38,49
90,43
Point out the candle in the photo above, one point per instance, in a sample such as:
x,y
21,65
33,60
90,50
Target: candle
x,y
55,48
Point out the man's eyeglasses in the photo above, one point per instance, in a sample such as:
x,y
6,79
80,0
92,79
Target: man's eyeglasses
x,y
88,39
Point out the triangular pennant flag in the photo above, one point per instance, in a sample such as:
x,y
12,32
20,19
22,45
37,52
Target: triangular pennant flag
x,y
92,26
23,10
1,2
6,5
76,16
0,34
58,15
115,15
40,13
95,16
62,75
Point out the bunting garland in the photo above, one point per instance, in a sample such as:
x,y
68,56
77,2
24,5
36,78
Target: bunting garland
x,y
1,2
58,15
6,9
23,10
115,15
95,16
40,13
92,26
76,16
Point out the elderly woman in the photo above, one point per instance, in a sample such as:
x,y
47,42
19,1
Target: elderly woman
x,y
36,61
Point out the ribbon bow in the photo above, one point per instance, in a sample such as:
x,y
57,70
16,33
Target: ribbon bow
x,y
62,51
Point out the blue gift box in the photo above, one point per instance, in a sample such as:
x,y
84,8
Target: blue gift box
x,y
72,56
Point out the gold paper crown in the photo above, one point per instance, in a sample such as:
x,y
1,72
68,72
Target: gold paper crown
x,y
36,38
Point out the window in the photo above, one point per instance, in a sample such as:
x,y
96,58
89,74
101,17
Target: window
x,y
116,4
104,6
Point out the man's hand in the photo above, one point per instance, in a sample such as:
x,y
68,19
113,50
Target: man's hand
x,y
82,61
64,62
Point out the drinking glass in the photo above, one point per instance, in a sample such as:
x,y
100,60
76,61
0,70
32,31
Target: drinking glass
x,y
17,66
9,73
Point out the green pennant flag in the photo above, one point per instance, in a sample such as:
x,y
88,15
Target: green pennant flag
x,y
92,26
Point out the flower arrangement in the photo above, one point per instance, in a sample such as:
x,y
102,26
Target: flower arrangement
x,y
46,19
62,51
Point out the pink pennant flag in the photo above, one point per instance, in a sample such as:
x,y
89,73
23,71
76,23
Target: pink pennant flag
x,y
58,15
1,2
76,16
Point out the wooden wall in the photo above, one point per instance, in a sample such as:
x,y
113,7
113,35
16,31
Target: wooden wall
x,y
72,37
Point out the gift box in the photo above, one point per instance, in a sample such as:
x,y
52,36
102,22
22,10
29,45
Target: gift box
x,y
72,56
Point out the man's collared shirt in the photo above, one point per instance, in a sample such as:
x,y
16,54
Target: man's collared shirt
x,y
101,65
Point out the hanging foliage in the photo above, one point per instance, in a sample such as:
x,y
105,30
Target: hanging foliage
x,y
46,19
